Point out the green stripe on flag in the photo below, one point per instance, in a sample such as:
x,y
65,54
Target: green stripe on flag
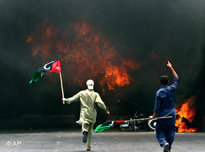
x,y
101,128
36,76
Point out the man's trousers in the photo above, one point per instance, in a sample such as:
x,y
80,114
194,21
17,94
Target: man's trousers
x,y
89,128
165,134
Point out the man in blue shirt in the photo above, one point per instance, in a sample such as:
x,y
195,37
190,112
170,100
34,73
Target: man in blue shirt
x,y
165,106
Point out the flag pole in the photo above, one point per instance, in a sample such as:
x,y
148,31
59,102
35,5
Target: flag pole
x,y
156,118
61,81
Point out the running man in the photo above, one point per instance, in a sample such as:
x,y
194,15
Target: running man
x,y
88,99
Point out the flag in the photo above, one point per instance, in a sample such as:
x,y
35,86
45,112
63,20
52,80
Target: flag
x,y
53,66
107,125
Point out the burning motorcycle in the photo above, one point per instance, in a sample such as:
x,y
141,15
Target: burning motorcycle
x,y
139,124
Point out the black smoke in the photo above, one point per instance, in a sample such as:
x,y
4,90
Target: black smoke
x,y
147,31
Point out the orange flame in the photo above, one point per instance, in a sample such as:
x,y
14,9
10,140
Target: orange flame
x,y
186,111
85,52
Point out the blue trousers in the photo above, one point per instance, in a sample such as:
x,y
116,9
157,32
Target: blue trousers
x,y
165,134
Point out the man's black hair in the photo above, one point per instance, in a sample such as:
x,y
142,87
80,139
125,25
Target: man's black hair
x,y
164,79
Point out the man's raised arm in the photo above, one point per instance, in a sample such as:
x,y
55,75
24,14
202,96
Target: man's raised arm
x,y
172,69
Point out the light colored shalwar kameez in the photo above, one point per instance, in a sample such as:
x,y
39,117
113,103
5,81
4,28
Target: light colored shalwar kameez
x,y
88,99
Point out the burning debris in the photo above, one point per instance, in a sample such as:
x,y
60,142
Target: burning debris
x,y
85,52
185,116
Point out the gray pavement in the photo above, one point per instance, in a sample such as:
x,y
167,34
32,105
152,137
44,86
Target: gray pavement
x,y
63,141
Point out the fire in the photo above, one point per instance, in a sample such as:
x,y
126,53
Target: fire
x,y
85,52
186,111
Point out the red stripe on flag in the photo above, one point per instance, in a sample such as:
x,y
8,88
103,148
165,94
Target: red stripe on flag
x,y
119,121
56,66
